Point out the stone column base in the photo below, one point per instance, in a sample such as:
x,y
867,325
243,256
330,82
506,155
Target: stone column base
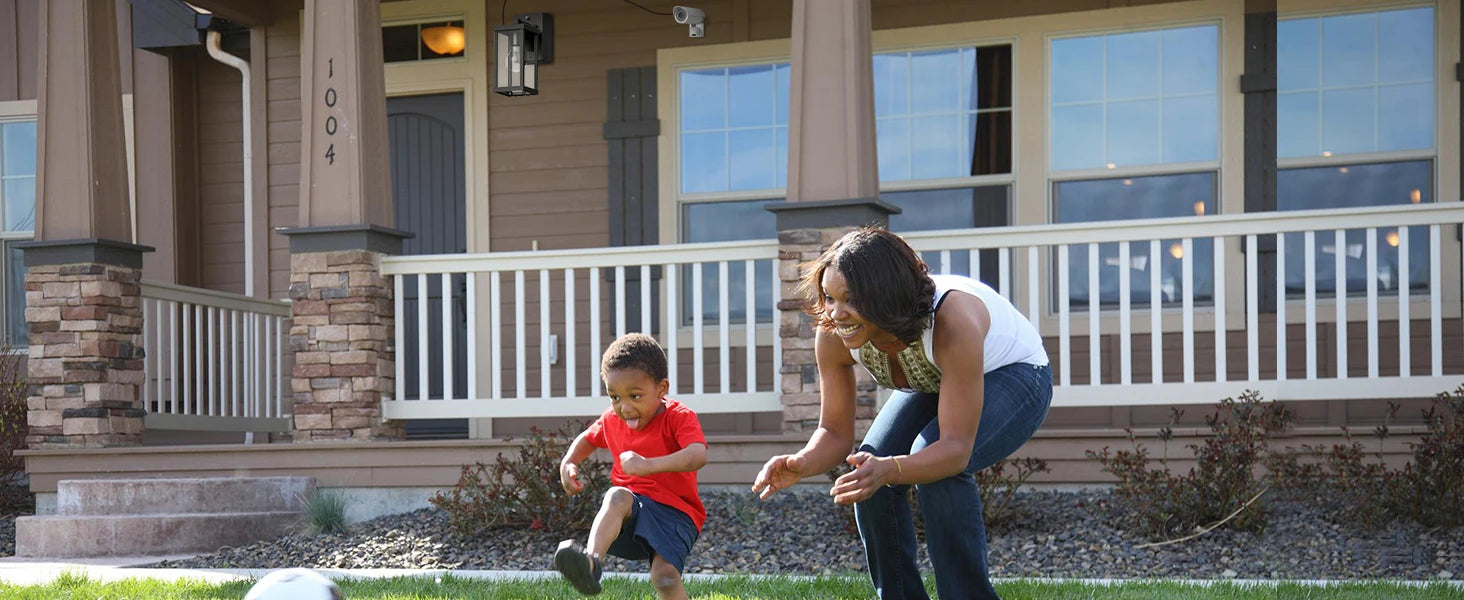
x,y
86,355
342,339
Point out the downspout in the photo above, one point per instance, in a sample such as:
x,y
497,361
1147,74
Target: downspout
x,y
242,66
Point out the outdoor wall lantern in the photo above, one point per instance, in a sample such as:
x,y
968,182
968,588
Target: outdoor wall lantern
x,y
521,47
444,39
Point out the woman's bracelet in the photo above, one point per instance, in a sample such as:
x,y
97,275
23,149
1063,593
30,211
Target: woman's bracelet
x,y
899,471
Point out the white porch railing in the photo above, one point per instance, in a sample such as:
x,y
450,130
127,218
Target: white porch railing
x,y
582,295
214,361
1178,305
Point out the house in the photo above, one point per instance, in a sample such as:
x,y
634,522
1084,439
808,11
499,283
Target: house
x,y
313,238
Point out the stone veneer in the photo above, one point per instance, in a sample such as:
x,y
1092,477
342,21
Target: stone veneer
x,y
800,392
85,365
342,340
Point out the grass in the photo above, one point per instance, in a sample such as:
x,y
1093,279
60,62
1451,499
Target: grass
x,y
450,587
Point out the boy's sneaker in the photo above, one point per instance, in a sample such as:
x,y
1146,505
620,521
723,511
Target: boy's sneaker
x,y
581,569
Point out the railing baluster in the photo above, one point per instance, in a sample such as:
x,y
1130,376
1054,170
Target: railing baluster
x,y
1125,344
520,353
149,349
1156,324
1187,303
1034,294
1405,326
1280,307
495,334
749,271
1252,311
1339,295
279,392
173,357
470,289
1064,345
213,360
447,346
1095,316
1372,302
973,260
424,368
1436,304
1219,246
697,368
724,331
545,369
945,262
1003,269
398,286
571,387
597,352
645,297
673,301
774,295
619,300
1309,269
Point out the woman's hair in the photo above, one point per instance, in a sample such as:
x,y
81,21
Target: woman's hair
x,y
888,283
635,351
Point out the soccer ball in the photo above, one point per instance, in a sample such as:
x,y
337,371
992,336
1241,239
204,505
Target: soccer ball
x,y
294,584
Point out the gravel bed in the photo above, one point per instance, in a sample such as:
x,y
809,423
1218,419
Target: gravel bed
x,y
802,532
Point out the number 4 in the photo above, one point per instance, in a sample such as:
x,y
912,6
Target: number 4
x,y
330,153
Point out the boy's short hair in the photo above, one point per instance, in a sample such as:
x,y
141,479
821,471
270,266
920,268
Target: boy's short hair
x,y
635,351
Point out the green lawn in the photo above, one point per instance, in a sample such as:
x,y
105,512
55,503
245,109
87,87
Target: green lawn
x,y
422,588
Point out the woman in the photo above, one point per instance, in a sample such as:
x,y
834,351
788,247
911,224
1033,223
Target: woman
x,y
972,385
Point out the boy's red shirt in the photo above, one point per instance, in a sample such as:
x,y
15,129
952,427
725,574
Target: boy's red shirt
x,y
674,428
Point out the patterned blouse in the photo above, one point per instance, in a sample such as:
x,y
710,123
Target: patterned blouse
x,y
920,372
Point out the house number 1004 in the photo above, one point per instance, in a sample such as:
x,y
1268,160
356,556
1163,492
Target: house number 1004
x,y
330,102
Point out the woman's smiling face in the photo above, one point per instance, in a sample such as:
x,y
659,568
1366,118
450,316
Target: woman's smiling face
x,y
851,328
634,395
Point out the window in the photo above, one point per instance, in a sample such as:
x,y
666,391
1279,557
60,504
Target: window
x,y
1355,127
403,43
18,215
944,135
1134,134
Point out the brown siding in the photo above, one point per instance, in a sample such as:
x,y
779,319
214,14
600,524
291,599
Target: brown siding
x,y
20,47
282,91
220,176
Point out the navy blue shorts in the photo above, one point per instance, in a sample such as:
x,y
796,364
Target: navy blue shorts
x,y
655,529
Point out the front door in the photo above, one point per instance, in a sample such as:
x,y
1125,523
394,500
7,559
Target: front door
x,y
425,134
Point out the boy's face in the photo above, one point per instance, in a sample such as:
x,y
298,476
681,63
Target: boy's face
x,y
634,395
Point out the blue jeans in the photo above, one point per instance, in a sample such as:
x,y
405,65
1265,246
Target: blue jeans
x,y
1016,401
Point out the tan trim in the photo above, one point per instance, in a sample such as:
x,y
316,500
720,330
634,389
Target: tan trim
x,y
258,108
17,108
468,75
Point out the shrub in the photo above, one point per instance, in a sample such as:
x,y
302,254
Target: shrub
x,y
525,492
1221,486
1430,488
325,513
1351,488
14,388
997,485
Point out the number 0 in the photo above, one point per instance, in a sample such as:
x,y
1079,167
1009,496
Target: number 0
x,y
330,125
330,97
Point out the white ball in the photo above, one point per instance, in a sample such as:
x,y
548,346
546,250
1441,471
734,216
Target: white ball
x,y
294,584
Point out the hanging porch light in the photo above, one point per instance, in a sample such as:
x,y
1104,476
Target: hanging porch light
x,y
521,47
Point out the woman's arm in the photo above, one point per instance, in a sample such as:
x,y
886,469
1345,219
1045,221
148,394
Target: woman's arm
x,y
831,442
959,349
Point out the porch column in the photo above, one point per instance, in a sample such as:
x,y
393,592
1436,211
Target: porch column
x,y
1259,86
343,307
833,179
82,291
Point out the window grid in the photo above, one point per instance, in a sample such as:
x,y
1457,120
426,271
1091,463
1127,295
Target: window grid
x,y
961,101
1107,164
7,237
727,129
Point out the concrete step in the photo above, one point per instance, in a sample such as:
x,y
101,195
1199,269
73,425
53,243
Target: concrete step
x,y
132,535
182,495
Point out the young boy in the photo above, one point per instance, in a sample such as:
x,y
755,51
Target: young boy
x,y
653,511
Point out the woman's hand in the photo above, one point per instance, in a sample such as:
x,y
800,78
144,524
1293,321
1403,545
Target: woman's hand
x,y
780,472
869,473
569,478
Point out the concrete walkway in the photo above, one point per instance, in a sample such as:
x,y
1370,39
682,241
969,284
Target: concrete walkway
x,y
30,571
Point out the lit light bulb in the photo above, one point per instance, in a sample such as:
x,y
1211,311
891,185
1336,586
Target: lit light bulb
x,y
1392,238
1128,182
1326,153
1112,166
1176,250
1416,196
1200,208
1342,170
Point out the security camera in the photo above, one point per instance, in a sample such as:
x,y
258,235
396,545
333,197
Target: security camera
x,y
693,17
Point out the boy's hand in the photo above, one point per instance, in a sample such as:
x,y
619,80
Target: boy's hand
x,y
569,478
632,463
